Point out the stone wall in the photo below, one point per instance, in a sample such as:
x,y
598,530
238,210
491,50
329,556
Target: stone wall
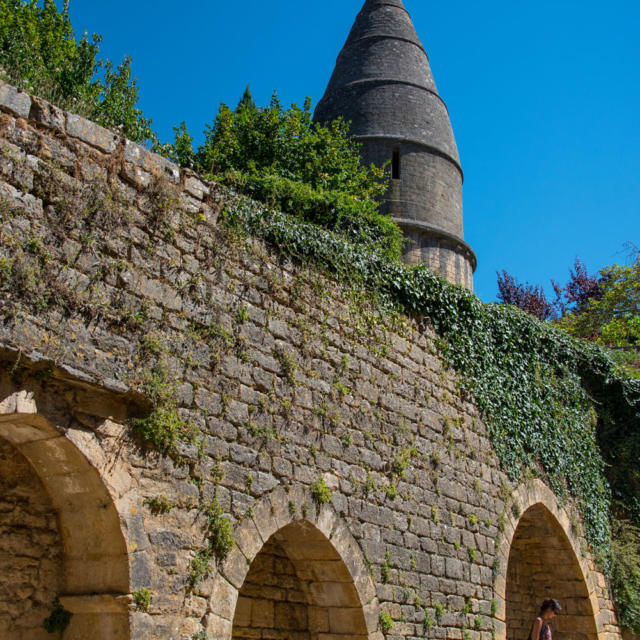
x,y
122,298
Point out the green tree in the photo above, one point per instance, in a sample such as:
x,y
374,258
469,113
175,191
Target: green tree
x,y
612,319
247,99
281,157
181,150
39,53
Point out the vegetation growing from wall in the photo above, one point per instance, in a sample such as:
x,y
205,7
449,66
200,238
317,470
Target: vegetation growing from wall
x,y
40,54
554,405
624,560
281,157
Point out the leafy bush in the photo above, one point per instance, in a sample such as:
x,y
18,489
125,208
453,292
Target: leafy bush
x,y
220,532
220,542
610,314
163,427
527,297
200,566
339,211
281,157
39,53
602,308
386,622
142,598
320,492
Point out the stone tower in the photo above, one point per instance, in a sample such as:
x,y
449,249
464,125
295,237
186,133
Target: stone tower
x,y
382,84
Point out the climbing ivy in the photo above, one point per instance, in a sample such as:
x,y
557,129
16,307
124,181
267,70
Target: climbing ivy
x,y
553,404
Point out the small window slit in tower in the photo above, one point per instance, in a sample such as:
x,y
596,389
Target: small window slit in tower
x,y
395,164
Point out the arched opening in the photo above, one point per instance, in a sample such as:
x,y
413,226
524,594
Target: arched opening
x,y
30,549
85,562
542,564
299,588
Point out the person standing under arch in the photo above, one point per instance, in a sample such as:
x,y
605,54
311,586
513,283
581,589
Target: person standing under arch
x,y
541,629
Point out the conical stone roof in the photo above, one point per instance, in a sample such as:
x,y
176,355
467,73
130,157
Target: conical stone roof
x,y
382,84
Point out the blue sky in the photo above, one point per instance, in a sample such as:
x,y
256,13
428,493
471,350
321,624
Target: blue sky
x,y
544,99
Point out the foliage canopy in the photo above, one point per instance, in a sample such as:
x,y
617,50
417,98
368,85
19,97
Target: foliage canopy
x,y
277,155
602,308
612,318
40,54
281,157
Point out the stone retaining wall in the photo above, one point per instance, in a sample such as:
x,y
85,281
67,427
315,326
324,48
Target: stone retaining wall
x,y
120,292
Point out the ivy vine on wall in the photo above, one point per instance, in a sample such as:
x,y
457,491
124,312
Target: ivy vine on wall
x,y
554,405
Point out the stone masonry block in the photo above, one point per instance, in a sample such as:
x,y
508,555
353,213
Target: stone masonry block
x,y
248,539
47,115
223,599
91,133
151,162
235,568
263,520
218,628
14,101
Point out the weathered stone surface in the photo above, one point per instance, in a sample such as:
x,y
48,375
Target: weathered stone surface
x,y
151,162
91,133
14,101
31,552
47,115
268,374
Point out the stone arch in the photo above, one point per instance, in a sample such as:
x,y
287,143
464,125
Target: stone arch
x,y
330,587
540,556
95,571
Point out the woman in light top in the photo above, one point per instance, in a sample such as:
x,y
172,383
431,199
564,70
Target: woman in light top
x,y
541,629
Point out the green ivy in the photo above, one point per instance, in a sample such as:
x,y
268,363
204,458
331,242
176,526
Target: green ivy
x,y
552,404
624,560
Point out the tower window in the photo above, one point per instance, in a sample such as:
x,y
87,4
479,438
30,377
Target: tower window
x,y
395,164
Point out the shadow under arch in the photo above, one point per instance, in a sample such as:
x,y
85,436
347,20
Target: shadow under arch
x,y
95,569
540,557
296,569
